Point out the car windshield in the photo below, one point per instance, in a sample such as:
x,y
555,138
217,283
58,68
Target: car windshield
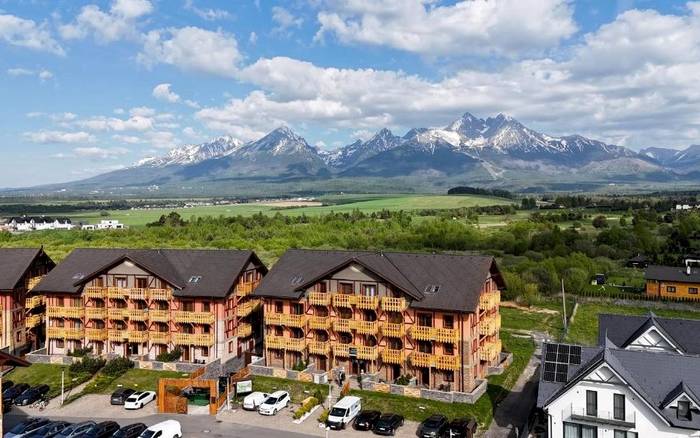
x,y
148,434
338,412
21,427
271,401
433,422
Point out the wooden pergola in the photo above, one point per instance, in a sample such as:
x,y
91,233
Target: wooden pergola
x,y
8,360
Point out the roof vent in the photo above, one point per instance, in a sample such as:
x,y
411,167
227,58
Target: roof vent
x,y
297,280
78,276
195,279
432,289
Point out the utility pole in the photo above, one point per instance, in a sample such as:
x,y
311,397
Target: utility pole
x,y
63,378
563,301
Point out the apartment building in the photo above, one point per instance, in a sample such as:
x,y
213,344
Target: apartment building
x,y
431,317
640,381
141,303
21,269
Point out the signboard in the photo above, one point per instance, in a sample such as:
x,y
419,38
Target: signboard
x,y
244,387
352,352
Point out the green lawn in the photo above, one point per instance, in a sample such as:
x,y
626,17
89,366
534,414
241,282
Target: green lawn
x,y
298,391
39,374
584,329
142,380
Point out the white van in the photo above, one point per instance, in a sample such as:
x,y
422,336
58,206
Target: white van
x,y
343,412
164,429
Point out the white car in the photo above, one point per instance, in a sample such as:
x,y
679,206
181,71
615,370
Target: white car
x,y
138,400
276,401
164,429
253,400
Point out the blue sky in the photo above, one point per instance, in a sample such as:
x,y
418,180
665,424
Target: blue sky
x,y
93,86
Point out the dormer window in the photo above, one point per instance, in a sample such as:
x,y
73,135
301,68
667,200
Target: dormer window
x,y
195,279
683,410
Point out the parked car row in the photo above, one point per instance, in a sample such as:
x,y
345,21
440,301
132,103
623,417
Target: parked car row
x,y
131,399
438,426
45,428
266,404
21,394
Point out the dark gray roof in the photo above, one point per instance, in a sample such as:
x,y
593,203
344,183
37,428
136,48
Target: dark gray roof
x,y
460,277
623,329
218,269
654,376
14,263
672,273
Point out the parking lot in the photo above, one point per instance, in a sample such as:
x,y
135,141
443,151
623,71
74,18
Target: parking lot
x,y
93,405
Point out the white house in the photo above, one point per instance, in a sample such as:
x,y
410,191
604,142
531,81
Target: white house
x,y
109,224
29,223
641,381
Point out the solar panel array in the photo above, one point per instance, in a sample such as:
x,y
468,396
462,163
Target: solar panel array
x,y
557,358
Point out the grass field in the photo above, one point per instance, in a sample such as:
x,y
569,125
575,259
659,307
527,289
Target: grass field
x,y
338,204
40,374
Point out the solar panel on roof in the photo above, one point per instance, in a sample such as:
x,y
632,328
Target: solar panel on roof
x,y
558,357
549,376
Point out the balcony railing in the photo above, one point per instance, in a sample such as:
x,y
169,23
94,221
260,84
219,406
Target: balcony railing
x,y
393,356
489,300
117,313
282,343
366,327
394,330
95,292
33,321
137,314
32,302
363,352
245,289
294,320
422,360
490,325
200,339
319,298
247,307
65,333
343,325
626,420
320,323
161,294
159,315
317,347
274,318
244,330
489,351
66,312
95,313
117,335
138,294
275,342
96,334
392,304
193,317
31,284
341,350
445,362
117,293
446,335
343,300
159,337
137,335
366,302
422,333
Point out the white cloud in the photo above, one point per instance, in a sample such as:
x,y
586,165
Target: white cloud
x,y
192,49
45,75
207,14
142,111
162,139
117,23
285,19
129,139
101,123
191,103
53,137
163,92
21,32
504,27
63,117
253,38
19,71
97,153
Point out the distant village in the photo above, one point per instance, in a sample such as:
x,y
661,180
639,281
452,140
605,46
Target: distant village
x,y
21,224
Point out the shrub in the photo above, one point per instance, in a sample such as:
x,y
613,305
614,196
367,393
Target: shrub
x,y
117,366
324,416
80,352
308,404
301,365
403,380
88,365
320,395
170,356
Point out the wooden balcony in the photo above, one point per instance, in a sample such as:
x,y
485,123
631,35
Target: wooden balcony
x,y
66,312
421,360
343,325
319,298
446,335
294,320
159,337
343,300
96,334
117,313
137,335
393,356
32,302
199,339
159,315
392,304
33,321
244,330
138,294
320,323
341,350
317,347
490,325
33,281
117,293
96,313
295,344
489,300
363,352
275,342
247,307
161,294
95,292
422,333
366,327
393,330
137,314
193,317
445,362
490,351
274,318
117,335
245,289
65,333
365,302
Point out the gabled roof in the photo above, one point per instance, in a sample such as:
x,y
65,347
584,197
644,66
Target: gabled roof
x,y
672,273
14,263
655,377
624,329
460,277
218,269
681,389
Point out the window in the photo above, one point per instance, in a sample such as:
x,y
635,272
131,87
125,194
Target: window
x,y
205,351
206,306
573,430
195,279
671,289
346,288
448,349
683,410
279,307
448,321
449,376
425,347
297,309
322,287
278,331
230,347
141,283
693,290
425,320
592,403
624,434
60,343
120,281
619,407
369,290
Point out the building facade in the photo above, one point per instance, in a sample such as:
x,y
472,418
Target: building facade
x,y
673,282
21,269
39,223
143,303
432,318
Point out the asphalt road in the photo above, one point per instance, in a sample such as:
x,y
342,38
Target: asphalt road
x,y
192,426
